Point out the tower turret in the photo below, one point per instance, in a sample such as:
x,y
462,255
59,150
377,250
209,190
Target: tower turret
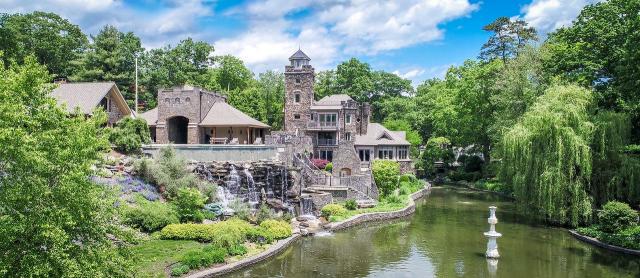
x,y
299,78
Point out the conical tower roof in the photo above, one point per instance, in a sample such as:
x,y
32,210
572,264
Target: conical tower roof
x,y
299,55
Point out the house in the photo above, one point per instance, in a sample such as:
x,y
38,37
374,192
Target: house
x,y
339,127
191,115
87,96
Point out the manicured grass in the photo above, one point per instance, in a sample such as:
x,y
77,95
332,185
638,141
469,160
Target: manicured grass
x,y
151,257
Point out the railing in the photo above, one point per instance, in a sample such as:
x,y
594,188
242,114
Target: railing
x,y
322,125
326,142
365,164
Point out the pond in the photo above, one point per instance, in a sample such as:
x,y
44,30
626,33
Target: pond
x,y
444,239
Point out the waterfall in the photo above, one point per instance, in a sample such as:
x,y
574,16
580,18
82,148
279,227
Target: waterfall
x,y
252,194
284,187
306,205
269,183
233,183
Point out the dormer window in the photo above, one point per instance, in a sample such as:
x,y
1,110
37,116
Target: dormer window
x,y
296,98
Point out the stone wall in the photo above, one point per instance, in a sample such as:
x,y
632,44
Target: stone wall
x,y
346,158
115,114
406,167
298,81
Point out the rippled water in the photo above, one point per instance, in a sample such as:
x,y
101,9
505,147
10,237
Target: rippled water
x,y
444,239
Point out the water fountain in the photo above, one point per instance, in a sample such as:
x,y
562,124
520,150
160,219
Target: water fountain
x,y
492,235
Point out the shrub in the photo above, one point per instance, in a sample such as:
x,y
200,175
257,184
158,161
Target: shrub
x,y
264,213
129,134
278,229
628,238
616,216
464,176
259,235
222,234
473,164
202,258
320,163
149,216
408,178
241,209
237,250
179,270
436,149
189,204
332,209
328,167
168,172
351,204
393,199
385,174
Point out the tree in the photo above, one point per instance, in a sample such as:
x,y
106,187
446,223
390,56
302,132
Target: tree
x,y
412,135
546,157
111,57
231,74
54,222
55,42
271,84
326,84
509,36
600,50
355,79
386,85
187,63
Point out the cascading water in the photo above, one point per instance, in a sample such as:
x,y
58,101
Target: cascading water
x,y
252,193
306,206
284,184
234,181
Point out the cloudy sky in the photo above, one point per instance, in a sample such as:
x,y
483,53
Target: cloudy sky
x,y
416,39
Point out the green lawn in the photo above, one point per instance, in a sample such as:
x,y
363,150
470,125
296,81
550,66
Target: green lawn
x,y
151,257
382,206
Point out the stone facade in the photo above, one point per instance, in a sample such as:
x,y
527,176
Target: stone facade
x,y
298,97
191,104
114,111
406,167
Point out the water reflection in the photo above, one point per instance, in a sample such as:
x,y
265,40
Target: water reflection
x,y
444,239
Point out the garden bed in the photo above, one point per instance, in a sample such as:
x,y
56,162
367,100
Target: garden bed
x,y
599,243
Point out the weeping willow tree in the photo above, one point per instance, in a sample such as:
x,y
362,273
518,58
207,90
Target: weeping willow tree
x,y
616,175
546,156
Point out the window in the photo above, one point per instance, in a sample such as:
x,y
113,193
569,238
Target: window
x,y
385,154
297,98
365,155
297,80
347,136
296,116
326,155
402,152
328,119
348,119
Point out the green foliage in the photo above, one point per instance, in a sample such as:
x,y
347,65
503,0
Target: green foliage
x,y
351,204
47,201
438,149
547,159
202,258
385,174
259,235
56,42
412,135
492,185
149,216
264,213
168,172
189,204
230,74
617,216
473,164
332,210
278,229
509,36
129,134
179,270
241,209
237,250
328,167
460,175
628,238
394,199
222,234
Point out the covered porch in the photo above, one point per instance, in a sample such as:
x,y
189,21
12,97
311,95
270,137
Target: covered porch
x,y
233,135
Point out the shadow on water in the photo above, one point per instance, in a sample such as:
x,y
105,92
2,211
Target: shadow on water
x,y
444,238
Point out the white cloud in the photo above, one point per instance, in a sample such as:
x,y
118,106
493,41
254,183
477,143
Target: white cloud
x,y
549,15
336,29
409,74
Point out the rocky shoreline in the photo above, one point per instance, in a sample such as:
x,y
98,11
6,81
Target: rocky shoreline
x,y
601,244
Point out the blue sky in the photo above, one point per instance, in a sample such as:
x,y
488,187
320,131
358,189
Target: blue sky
x,y
416,39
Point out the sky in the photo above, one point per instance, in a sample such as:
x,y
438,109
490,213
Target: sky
x,y
416,39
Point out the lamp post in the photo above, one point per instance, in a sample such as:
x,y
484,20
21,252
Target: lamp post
x,y
136,89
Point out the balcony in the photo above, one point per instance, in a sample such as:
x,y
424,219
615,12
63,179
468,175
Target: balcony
x,y
318,125
327,142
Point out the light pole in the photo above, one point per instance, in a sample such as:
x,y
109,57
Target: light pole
x,y
136,89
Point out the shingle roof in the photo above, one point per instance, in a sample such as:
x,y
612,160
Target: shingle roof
x,y
223,114
333,100
150,116
299,55
379,135
84,95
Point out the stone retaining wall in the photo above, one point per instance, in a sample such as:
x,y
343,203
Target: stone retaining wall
x,y
228,268
380,216
598,243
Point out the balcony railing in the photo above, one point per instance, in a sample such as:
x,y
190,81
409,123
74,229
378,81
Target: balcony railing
x,y
327,142
322,125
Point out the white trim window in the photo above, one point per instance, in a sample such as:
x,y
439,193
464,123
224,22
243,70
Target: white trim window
x,y
403,152
385,153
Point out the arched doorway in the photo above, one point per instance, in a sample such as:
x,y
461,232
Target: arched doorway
x,y
177,128
345,172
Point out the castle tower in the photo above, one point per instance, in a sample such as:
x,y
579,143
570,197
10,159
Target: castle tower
x,y
299,78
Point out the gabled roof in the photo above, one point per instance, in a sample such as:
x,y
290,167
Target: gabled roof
x,y
333,100
223,114
379,135
150,116
299,55
87,95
